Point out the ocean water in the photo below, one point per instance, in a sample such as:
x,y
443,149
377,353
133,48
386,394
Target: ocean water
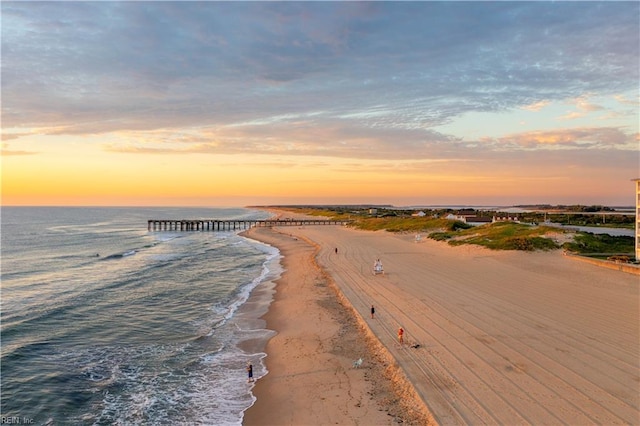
x,y
103,322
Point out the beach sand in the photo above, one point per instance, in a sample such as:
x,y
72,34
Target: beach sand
x,y
312,379
490,337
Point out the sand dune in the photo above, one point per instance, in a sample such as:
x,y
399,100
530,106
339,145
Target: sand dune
x,y
504,337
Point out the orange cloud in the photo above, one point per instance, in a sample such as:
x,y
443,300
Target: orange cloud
x,y
6,152
601,137
537,106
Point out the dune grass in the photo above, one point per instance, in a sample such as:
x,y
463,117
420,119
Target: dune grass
x,y
495,236
601,245
503,236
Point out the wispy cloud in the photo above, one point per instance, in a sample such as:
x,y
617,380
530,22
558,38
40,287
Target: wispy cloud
x,y
6,151
536,106
623,100
352,81
98,67
583,106
593,138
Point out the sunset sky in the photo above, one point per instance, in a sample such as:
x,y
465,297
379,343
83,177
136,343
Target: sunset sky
x,y
244,103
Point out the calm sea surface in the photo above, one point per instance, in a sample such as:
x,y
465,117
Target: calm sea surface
x,y
104,322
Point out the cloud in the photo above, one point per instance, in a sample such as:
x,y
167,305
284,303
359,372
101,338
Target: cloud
x,y
623,100
349,80
592,138
572,115
395,146
536,106
583,107
300,138
6,152
10,136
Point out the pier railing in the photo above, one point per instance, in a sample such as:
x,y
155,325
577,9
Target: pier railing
x,y
231,225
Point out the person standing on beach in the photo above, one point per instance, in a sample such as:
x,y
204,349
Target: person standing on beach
x,y
401,335
250,372
373,311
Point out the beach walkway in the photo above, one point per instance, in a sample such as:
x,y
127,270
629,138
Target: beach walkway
x,y
504,337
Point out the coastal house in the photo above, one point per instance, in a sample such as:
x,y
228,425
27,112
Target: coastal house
x,y
470,219
478,220
461,215
419,214
466,213
506,219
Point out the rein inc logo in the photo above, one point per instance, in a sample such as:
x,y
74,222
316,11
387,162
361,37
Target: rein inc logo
x,y
16,420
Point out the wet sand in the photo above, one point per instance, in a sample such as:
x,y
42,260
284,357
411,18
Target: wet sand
x,y
312,379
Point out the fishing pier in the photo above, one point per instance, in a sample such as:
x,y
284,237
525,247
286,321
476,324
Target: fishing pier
x,y
231,224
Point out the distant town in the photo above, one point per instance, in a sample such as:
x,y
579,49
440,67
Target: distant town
x,y
572,215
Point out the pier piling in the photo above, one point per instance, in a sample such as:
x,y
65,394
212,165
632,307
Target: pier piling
x,y
187,225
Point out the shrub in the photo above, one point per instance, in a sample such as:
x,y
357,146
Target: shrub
x,y
440,236
457,225
587,242
529,243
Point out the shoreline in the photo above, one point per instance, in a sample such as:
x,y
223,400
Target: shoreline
x,y
503,337
337,393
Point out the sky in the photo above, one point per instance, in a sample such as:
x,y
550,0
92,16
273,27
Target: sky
x,y
258,103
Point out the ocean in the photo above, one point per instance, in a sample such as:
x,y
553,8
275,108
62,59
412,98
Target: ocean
x,y
103,322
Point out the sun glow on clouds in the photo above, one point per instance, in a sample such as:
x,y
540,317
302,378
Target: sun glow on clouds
x,y
377,101
537,106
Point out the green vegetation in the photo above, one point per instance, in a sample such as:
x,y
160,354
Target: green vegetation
x,y
390,220
600,245
502,236
566,215
569,208
325,212
407,224
495,236
609,221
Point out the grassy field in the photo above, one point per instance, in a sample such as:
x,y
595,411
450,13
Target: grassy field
x,y
503,236
495,236
601,245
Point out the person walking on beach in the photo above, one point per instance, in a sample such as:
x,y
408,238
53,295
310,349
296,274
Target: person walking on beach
x,y
250,372
373,311
401,335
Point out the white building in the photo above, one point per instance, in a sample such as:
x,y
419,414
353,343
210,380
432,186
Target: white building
x,y
470,219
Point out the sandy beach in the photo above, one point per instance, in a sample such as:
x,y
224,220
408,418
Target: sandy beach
x,y
490,337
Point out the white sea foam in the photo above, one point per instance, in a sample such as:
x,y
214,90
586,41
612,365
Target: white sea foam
x,y
145,339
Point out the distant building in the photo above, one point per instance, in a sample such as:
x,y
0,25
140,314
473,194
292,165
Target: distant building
x,y
478,220
462,215
637,181
466,213
506,219
471,219
419,214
